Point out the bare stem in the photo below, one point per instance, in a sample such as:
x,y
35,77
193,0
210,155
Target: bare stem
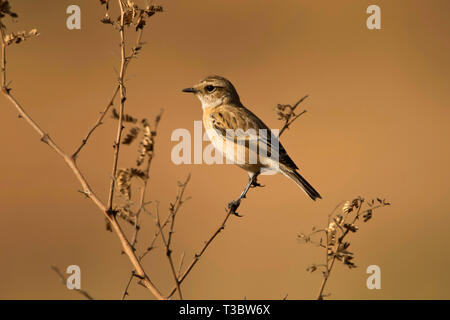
x,y
3,70
330,259
122,90
168,252
289,120
125,293
198,255
87,190
155,237
97,124
142,201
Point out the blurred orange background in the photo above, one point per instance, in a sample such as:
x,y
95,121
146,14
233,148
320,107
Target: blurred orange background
x,y
377,125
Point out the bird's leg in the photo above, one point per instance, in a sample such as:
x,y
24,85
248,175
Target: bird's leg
x,y
233,205
251,182
255,183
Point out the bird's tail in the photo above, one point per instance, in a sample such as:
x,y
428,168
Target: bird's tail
x,y
302,183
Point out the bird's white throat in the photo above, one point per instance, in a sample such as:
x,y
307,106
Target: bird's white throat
x,y
207,103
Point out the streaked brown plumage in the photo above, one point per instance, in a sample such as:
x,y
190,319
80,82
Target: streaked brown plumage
x,y
222,111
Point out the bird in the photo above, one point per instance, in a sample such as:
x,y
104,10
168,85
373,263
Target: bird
x,y
223,113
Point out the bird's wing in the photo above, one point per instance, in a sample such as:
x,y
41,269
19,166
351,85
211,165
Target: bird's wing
x,y
246,126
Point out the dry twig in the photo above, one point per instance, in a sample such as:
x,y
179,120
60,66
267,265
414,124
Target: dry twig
x,y
71,162
332,238
287,114
173,210
123,98
125,293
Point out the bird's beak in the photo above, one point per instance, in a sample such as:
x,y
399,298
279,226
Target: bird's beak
x,y
191,90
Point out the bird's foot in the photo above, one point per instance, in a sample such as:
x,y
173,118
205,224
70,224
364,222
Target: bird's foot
x,y
256,184
233,206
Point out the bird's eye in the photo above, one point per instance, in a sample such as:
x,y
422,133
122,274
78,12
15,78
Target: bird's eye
x,y
209,88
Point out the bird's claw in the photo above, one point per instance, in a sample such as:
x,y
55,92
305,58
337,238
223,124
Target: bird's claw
x,y
256,184
233,205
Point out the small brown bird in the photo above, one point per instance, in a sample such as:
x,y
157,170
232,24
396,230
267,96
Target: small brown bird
x,y
223,112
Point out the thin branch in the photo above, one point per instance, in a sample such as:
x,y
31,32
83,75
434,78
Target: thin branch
x,y
84,293
87,190
174,208
168,252
287,124
137,225
332,251
142,202
155,237
125,293
328,265
180,265
97,123
166,223
291,117
126,63
197,256
3,67
120,126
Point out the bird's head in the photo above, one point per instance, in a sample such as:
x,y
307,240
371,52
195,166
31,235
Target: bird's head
x,y
214,91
